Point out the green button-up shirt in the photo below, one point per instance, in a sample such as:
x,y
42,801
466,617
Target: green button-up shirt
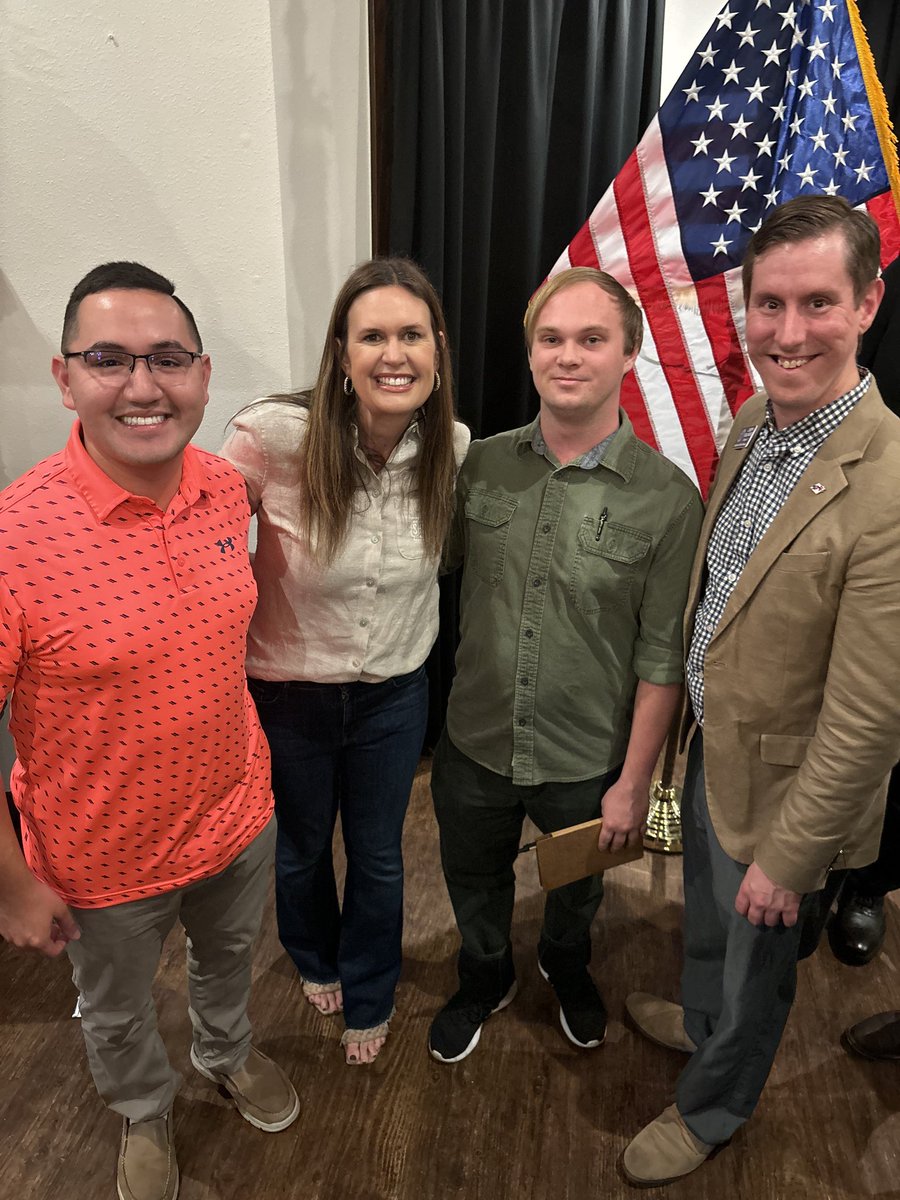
x,y
573,588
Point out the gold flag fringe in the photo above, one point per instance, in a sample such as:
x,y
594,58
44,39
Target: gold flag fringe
x,y
877,102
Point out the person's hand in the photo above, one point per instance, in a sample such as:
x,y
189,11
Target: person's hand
x,y
763,902
33,917
624,808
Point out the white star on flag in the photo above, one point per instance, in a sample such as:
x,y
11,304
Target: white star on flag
x,y
709,196
862,171
692,91
707,55
749,180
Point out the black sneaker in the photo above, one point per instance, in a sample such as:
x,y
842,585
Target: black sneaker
x,y
456,1029
582,1012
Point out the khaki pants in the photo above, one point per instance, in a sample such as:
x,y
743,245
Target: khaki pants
x,y
116,958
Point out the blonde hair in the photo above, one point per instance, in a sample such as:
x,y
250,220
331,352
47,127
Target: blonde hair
x,y
632,320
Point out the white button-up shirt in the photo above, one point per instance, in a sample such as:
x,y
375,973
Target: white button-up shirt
x,y
370,614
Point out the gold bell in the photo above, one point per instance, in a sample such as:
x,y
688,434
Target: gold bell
x,y
664,820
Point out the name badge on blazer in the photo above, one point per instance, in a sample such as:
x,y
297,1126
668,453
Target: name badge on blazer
x,y
745,437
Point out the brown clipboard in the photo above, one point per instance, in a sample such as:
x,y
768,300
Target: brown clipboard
x,y
573,853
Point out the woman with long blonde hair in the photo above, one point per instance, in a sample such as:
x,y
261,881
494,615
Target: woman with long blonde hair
x,y
352,483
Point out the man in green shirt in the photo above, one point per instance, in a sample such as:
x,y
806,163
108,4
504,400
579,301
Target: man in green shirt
x,y
577,541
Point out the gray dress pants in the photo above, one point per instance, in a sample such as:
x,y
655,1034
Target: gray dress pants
x,y
116,958
738,981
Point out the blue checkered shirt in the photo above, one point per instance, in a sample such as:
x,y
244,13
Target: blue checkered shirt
x,y
771,470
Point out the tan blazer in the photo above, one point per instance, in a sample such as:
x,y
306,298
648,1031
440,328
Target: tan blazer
x,y
802,680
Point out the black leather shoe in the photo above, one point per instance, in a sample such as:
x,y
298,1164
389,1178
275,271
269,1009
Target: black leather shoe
x,y
877,1037
856,931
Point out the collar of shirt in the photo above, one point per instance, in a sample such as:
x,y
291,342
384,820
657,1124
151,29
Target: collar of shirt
x,y
810,432
617,451
401,452
104,494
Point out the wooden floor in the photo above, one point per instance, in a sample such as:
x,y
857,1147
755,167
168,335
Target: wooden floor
x,y
525,1116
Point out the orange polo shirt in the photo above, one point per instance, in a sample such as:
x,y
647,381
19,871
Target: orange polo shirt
x,y
141,766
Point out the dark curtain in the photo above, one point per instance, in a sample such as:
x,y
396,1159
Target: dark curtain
x,y
882,21
508,121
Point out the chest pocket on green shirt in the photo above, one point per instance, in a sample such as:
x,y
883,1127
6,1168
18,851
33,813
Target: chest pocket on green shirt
x,y
604,571
487,528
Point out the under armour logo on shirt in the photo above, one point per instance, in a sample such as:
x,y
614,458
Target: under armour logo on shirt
x,y
225,544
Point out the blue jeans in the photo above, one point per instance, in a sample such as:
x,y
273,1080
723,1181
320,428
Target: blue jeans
x,y
351,747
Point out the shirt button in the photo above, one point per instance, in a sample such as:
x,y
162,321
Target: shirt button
x,y
524,681
370,583
522,721
375,539
364,622
546,527
767,466
537,581
731,577
747,523
356,662
529,633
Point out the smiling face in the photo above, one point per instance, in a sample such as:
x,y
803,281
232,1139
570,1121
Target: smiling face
x,y
390,356
804,324
135,428
577,356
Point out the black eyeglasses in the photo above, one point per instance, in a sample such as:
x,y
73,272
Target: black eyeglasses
x,y
118,363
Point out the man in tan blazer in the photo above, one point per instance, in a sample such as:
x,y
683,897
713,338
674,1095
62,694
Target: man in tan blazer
x,y
793,636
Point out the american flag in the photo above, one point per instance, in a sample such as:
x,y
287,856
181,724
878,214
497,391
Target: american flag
x,y
773,104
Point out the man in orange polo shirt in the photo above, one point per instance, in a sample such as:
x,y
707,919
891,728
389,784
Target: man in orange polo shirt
x,y
142,776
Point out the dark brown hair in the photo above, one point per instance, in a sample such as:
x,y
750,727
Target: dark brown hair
x,y
807,217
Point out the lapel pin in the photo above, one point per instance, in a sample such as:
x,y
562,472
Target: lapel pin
x,y
817,488
745,437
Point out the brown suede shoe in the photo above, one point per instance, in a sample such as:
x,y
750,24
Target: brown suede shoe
x,y
262,1092
663,1151
147,1169
660,1021
876,1038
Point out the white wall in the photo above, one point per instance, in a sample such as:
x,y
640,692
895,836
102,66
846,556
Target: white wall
x,y
225,145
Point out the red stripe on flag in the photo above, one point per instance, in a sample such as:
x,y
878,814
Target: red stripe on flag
x,y
673,355
632,400
582,251
715,309
883,210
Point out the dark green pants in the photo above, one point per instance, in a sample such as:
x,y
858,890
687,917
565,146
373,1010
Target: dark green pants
x,y
480,815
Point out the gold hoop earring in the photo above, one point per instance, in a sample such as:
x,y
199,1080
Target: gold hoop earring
x,y
348,386
437,382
